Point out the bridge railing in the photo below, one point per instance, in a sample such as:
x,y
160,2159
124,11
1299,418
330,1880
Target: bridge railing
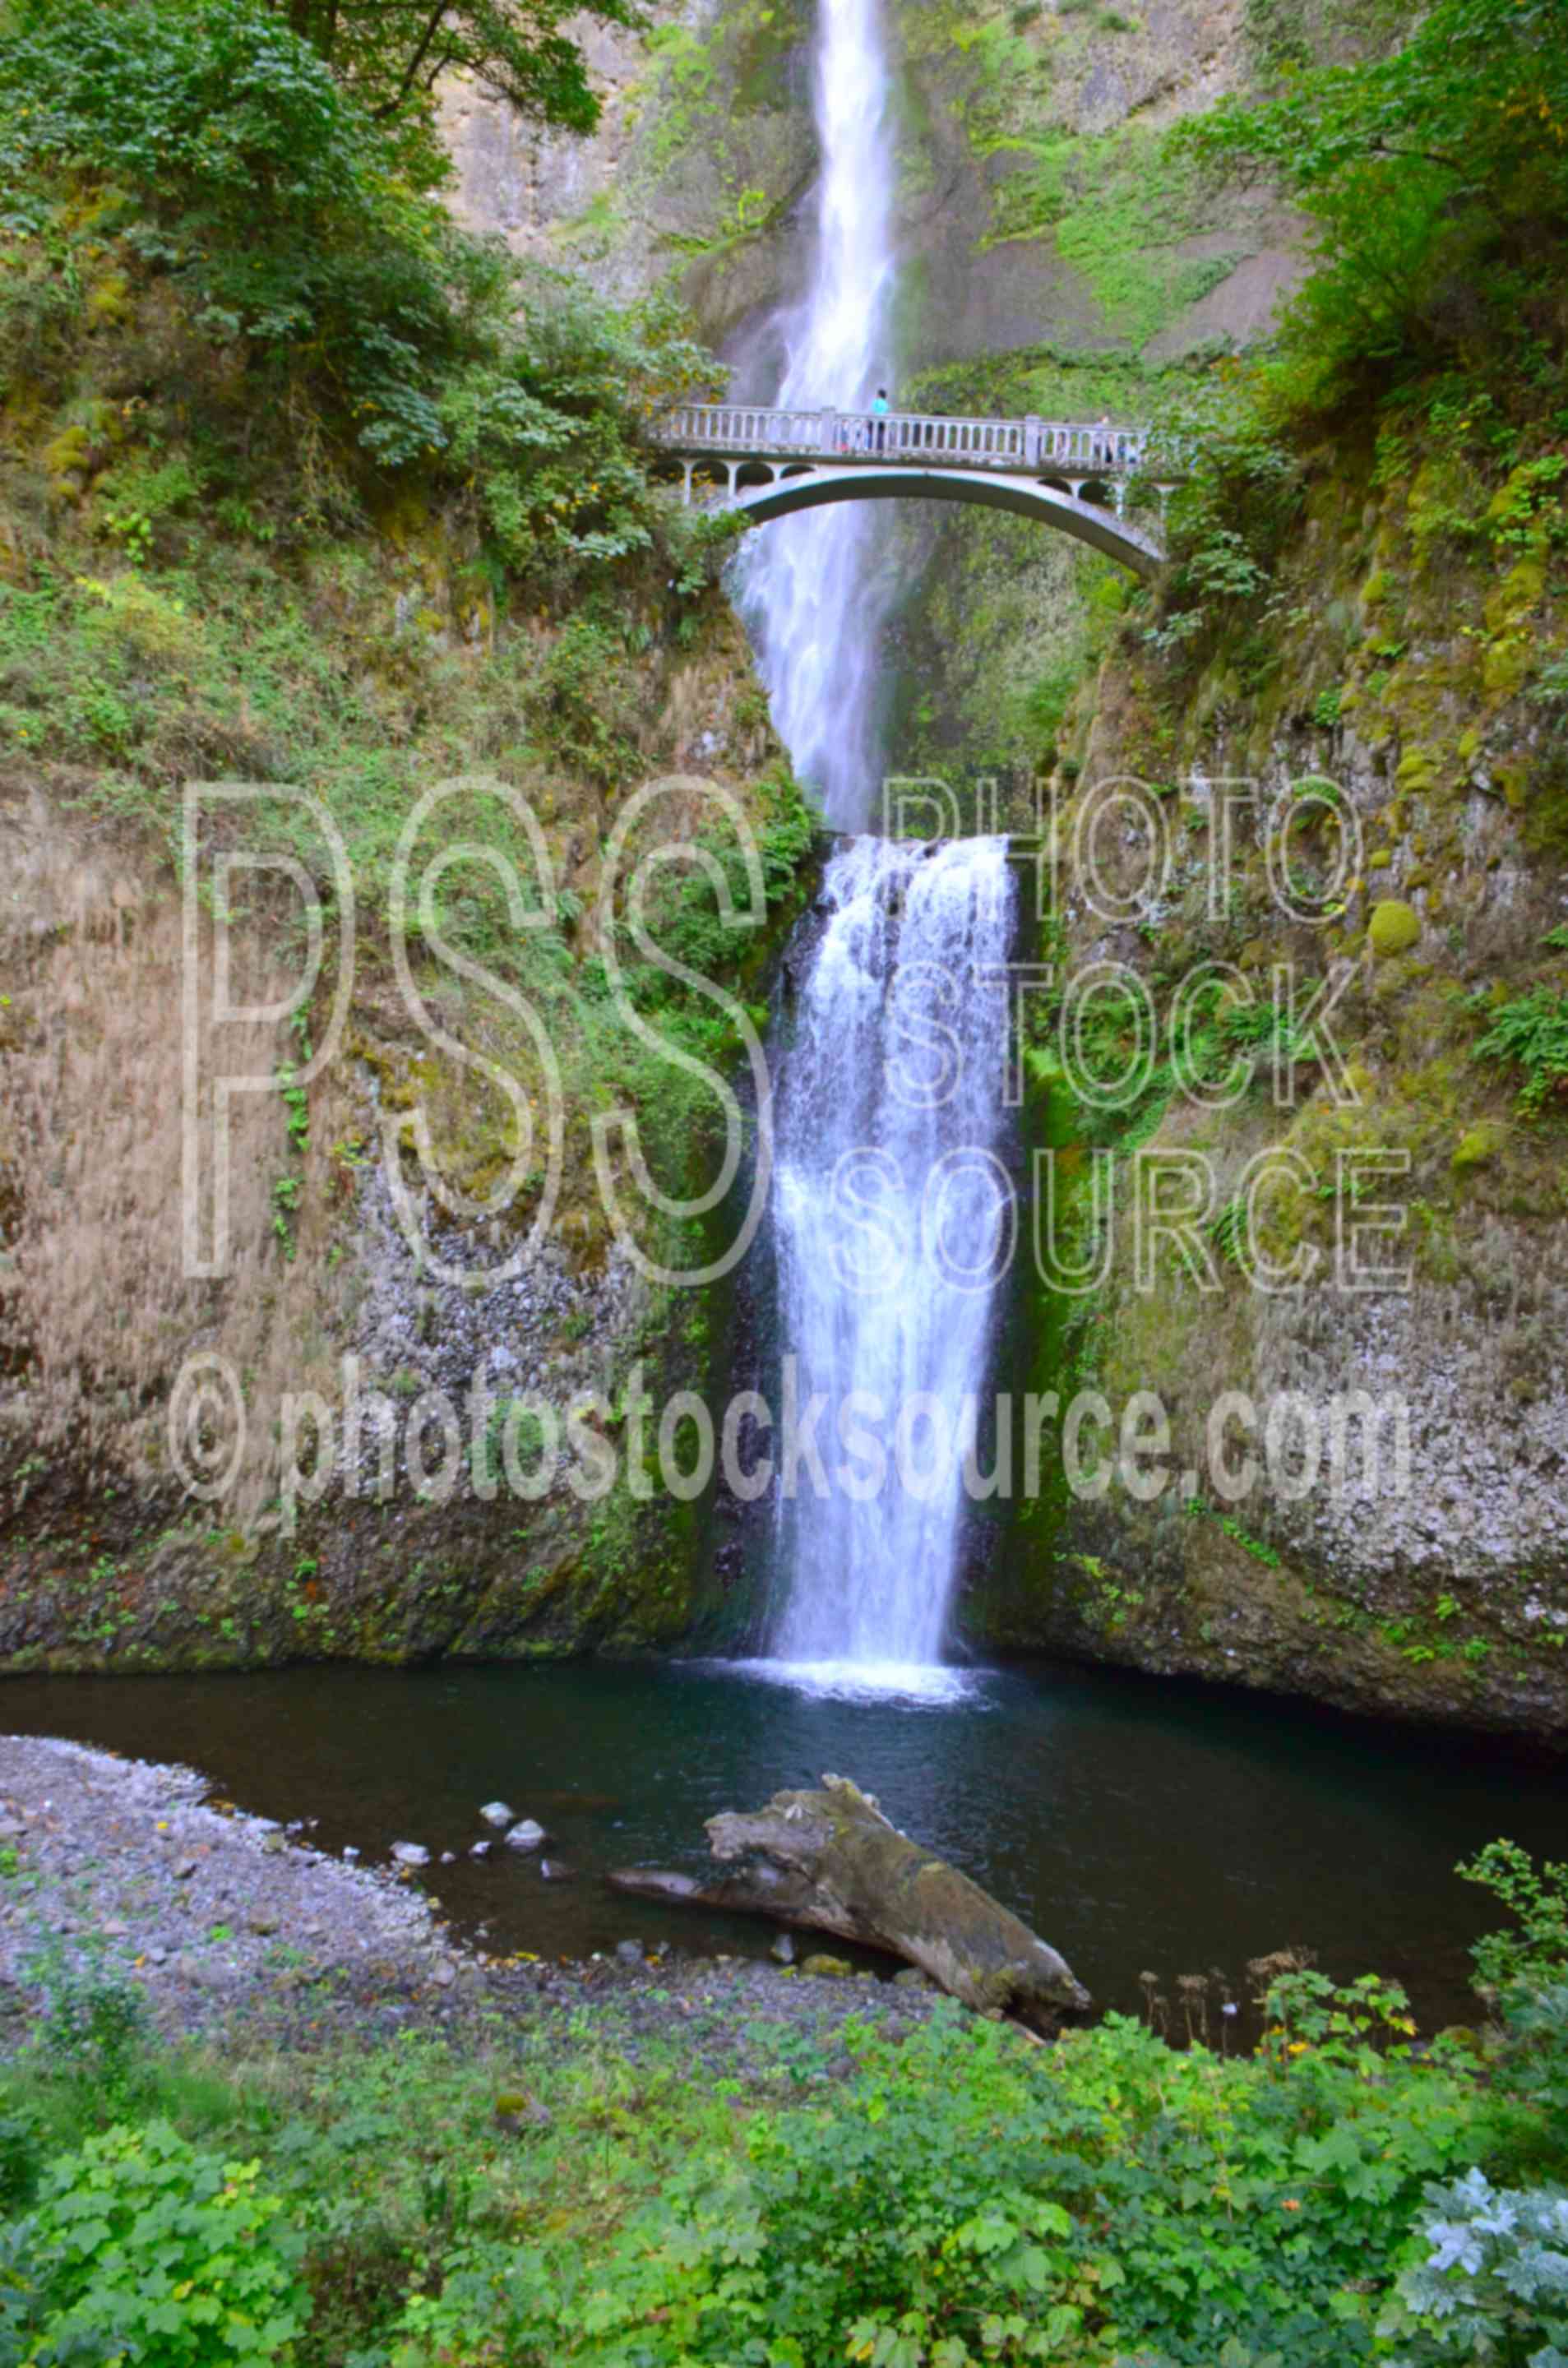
x,y
1029,443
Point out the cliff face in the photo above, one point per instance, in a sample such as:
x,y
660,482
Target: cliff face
x,y
148,1418
1034,209
1383,694
251,712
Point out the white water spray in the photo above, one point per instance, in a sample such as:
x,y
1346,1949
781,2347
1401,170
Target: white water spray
x,y
896,1067
807,583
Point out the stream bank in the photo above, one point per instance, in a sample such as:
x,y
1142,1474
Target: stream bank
x,y
117,1872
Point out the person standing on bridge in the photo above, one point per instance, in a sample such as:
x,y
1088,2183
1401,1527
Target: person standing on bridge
x,y
879,409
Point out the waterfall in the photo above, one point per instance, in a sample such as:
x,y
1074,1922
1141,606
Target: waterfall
x,y
806,583
889,1204
888,1109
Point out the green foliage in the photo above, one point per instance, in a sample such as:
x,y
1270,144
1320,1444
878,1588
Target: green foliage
x,y
1533,1950
961,2197
1533,1032
1436,167
1117,210
1230,518
141,2247
965,2200
249,175
516,49
1494,2284
94,2029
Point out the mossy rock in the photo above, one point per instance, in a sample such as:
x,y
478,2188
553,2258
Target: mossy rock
x,y
1394,928
1379,859
1478,1145
837,1969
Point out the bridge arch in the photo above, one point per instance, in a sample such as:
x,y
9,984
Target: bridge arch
x,y
809,488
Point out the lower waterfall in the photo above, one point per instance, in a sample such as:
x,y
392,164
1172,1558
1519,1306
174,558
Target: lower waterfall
x,y
889,1205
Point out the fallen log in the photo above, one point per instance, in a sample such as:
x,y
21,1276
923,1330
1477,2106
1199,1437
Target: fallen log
x,y
832,1862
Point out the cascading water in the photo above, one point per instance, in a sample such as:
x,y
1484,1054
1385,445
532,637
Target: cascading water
x,y
888,1208
894,1074
807,585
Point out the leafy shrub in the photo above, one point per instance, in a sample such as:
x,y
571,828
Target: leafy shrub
x,y
1533,1032
254,182
1432,171
1534,1948
1493,2286
142,2248
966,2199
95,2025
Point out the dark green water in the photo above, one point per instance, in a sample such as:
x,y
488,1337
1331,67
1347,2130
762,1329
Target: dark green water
x,y
1135,1824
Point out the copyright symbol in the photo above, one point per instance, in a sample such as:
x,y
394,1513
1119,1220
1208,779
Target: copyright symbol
x,y
206,1426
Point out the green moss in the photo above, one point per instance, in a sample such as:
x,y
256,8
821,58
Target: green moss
x,y
1116,210
1394,928
1478,1145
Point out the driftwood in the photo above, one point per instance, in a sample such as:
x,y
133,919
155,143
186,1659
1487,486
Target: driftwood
x,y
832,1862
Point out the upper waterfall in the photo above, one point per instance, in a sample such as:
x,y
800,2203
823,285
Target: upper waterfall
x,y
807,587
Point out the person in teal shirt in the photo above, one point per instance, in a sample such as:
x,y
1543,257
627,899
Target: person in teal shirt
x,y
881,410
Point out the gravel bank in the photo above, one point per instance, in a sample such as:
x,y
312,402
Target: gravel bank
x,y
226,1920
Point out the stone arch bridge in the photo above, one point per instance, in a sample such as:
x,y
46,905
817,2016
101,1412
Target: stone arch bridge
x,y
1067,474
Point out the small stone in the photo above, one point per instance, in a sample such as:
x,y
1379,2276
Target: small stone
x,y
496,1812
448,1858
783,1949
481,1850
411,1854
526,1835
444,1973
629,1951
263,1925
114,1928
555,1870
828,1968
911,1978
185,1869
350,1850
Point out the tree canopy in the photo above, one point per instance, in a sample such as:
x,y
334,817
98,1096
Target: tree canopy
x,y
393,53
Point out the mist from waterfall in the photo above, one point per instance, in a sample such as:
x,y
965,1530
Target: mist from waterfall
x,y
807,584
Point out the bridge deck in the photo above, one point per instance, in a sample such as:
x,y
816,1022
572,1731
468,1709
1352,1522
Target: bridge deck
x,y
749,431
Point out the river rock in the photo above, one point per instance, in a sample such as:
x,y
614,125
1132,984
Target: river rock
x,y
831,1968
629,1951
409,1854
526,1835
555,1870
480,1849
496,1814
783,1949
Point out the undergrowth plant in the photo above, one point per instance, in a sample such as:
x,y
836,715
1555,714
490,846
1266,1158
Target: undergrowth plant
x,y
960,2197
